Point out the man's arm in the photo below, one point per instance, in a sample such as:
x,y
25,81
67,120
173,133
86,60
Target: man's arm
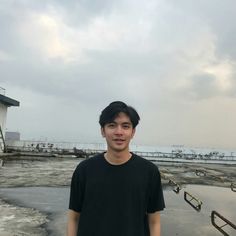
x,y
154,223
72,225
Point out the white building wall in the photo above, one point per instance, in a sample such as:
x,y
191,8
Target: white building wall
x,y
3,116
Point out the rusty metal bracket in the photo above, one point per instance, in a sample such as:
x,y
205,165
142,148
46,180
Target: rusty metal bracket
x,y
233,187
214,215
203,173
200,173
198,203
176,187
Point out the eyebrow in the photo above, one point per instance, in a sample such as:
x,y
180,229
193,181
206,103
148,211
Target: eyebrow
x,y
124,123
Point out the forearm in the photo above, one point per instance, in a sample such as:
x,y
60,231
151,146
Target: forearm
x,y
72,228
154,224
155,229
72,225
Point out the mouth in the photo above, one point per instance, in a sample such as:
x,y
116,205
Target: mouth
x,y
119,141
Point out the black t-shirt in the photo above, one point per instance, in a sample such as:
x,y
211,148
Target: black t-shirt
x,y
113,200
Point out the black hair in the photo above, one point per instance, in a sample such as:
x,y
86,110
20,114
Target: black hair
x,y
109,114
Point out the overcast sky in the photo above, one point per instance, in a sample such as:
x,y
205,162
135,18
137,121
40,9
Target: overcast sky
x,y
174,61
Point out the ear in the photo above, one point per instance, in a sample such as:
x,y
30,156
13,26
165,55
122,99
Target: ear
x,y
133,132
102,132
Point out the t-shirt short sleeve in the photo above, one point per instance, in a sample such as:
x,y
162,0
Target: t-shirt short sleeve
x,y
156,199
77,190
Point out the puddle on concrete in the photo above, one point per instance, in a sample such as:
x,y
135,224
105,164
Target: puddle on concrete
x,y
45,199
179,218
16,221
51,201
189,174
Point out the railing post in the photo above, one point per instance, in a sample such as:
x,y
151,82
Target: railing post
x,y
198,203
233,187
200,173
225,222
176,187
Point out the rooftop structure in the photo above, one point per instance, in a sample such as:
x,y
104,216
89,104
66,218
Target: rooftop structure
x,y
5,102
8,101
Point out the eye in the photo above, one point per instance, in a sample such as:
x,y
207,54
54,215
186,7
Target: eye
x,y
126,126
111,125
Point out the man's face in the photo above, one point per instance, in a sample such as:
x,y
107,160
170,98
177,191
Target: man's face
x,y
118,133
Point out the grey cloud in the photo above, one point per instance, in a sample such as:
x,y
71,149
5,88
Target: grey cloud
x,y
76,13
203,86
145,72
106,73
218,16
231,92
8,39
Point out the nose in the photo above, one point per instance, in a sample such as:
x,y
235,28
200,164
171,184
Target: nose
x,y
118,130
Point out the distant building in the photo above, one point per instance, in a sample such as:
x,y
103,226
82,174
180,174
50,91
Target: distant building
x,y
5,102
12,136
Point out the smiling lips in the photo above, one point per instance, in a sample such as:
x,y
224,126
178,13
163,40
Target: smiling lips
x,y
118,141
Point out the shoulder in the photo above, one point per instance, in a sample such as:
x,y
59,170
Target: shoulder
x,y
146,167
87,166
144,162
83,165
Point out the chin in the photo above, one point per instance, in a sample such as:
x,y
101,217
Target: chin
x,y
119,149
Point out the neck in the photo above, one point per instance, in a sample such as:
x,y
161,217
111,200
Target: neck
x,y
117,158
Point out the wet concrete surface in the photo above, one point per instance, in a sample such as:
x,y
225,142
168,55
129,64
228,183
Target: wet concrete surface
x,y
37,191
21,221
25,171
52,202
180,218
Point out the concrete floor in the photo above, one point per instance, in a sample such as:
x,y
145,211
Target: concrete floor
x,y
21,218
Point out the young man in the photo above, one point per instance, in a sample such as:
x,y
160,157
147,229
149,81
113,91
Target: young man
x,y
116,193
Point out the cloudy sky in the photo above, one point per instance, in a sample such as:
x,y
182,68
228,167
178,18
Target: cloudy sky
x,y
174,61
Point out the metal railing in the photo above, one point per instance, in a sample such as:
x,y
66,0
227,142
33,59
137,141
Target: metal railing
x,y
176,187
233,187
200,173
223,220
198,203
